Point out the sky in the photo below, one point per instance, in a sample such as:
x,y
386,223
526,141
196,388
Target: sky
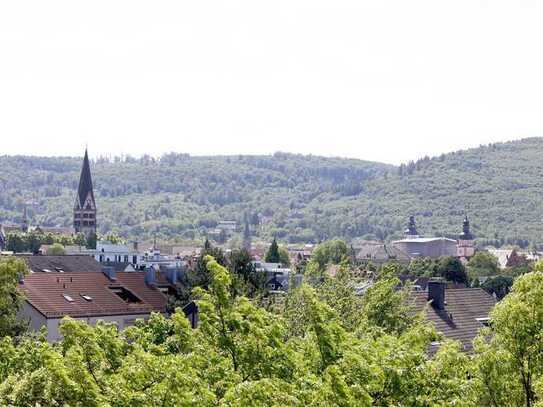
x,y
384,80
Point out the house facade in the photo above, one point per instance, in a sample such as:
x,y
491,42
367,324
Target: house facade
x,y
121,298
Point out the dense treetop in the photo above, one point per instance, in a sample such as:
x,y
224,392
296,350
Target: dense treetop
x,y
321,346
291,197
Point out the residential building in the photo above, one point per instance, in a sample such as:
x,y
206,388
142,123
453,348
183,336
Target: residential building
x,y
508,257
457,313
107,252
92,296
61,264
380,253
277,276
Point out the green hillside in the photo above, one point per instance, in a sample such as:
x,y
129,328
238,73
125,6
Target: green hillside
x,y
296,198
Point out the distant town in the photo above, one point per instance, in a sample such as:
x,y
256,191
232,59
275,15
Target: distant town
x,y
65,261
74,274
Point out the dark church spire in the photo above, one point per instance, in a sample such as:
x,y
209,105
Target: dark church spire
x,y
85,206
85,182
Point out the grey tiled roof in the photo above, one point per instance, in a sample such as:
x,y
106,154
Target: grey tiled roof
x,y
66,263
458,320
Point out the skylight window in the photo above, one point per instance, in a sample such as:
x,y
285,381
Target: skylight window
x,y
68,298
86,297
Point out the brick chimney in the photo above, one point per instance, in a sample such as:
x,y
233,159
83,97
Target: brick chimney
x,y
436,294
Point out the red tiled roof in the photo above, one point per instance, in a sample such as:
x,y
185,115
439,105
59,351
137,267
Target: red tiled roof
x,y
45,292
458,320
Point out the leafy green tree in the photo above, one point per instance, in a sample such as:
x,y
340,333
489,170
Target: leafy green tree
x,y
198,275
452,269
330,252
245,279
483,263
80,240
510,353
284,257
113,238
12,270
423,267
92,240
56,249
15,243
386,307
253,351
339,293
273,255
499,285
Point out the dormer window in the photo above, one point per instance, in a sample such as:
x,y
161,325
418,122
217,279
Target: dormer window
x,y
483,321
125,295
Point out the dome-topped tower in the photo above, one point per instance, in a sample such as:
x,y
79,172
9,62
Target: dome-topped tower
x,y
466,241
411,230
466,233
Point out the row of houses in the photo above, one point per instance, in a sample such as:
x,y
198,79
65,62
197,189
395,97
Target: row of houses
x,y
80,287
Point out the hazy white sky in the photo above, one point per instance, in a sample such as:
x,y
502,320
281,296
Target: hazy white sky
x,y
378,80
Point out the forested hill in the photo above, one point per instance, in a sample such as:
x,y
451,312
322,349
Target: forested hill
x,y
296,198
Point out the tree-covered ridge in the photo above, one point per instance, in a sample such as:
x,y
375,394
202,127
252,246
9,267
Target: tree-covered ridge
x,y
178,194
292,197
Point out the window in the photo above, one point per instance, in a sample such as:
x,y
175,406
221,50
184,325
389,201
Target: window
x,y
68,298
166,290
86,297
125,295
483,321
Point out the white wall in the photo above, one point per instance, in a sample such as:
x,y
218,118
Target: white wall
x,y
37,321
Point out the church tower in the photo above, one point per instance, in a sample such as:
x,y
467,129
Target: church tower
x,y
466,241
85,206
411,230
